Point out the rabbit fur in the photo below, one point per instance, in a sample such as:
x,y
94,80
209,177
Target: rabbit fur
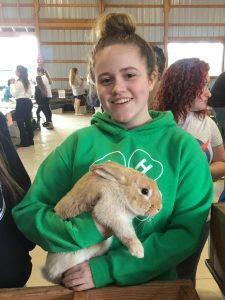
x,y
115,194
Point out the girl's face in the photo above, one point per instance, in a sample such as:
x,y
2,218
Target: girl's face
x,y
123,84
201,101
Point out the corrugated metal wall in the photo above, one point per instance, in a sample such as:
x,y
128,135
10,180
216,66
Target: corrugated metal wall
x,y
63,48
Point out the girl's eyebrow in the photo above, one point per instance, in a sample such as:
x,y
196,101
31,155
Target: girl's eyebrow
x,y
121,70
129,68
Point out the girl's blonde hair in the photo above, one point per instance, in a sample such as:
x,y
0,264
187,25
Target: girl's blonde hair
x,y
72,76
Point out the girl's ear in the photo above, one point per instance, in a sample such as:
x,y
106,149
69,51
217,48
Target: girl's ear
x,y
152,79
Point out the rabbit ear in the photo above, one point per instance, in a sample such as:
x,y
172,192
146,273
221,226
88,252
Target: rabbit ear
x,y
110,170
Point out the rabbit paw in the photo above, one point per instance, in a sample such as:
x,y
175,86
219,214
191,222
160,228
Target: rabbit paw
x,y
136,249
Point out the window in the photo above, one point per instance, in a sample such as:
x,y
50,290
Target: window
x,y
212,53
15,51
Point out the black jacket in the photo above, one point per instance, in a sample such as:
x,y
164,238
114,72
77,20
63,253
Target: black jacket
x,y
15,262
38,96
218,92
4,127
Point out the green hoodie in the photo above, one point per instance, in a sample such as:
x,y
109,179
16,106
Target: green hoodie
x,y
158,148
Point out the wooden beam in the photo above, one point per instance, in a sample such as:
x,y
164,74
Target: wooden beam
x,y
79,24
16,34
166,10
134,5
15,22
15,4
36,22
194,39
68,5
101,6
197,6
63,20
74,24
66,26
197,24
150,24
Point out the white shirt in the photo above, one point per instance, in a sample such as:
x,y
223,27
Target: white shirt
x,y
47,85
18,91
77,88
205,131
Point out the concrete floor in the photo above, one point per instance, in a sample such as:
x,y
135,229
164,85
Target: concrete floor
x,y
45,141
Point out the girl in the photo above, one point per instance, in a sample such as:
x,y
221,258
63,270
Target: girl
x,y
40,97
77,89
21,91
122,68
47,82
184,90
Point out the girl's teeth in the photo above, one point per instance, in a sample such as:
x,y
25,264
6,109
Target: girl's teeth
x,y
122,101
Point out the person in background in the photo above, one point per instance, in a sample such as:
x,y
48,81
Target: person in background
x,y
159,68
122,67
217,102
7,93
21,91
184,91
92,98
40,96
76,83
47,82
15,260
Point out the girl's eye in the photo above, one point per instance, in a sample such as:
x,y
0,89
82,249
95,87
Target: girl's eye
x,y
130,75
105,81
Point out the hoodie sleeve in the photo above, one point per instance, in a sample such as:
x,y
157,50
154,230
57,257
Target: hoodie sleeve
x,y
35,215
183,215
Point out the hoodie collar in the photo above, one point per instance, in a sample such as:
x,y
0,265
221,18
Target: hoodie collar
x,y
159,121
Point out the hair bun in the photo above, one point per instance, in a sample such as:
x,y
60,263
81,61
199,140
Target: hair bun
x,y
112,24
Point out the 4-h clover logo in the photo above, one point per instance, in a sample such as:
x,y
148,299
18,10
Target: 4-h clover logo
x,y
139,160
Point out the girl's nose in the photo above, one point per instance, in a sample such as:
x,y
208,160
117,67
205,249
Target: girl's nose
x,y
119,86
209,93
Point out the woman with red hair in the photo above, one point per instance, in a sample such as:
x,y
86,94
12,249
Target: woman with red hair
x,y
184,90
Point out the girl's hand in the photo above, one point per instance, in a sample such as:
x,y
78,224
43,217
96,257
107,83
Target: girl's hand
x,y
78,278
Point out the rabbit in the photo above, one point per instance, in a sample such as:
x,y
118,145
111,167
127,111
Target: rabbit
x,y
115,194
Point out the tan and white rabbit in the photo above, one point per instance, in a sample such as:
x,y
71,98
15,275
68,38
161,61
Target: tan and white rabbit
x,y
116,194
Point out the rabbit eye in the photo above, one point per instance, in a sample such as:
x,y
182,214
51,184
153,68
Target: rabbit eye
x,y
145,191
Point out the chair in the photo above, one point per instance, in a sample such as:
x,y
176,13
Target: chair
x,y
216,261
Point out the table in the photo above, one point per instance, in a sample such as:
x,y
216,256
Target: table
x,y
155,290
